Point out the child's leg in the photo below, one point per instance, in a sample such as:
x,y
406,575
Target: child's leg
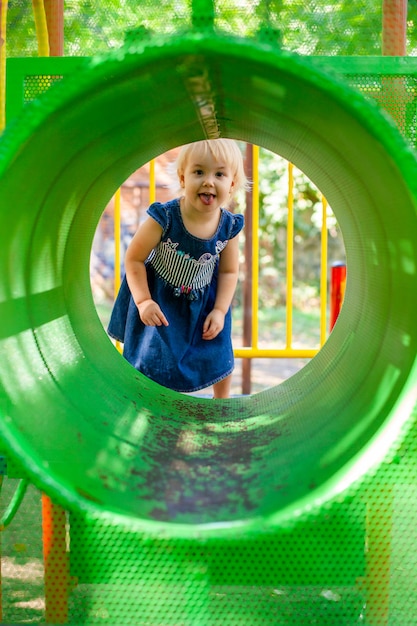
x,y
222,388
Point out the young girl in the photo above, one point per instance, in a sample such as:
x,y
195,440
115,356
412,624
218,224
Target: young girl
x,y
173,309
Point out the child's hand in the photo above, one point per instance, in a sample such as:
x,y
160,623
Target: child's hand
x,y
151,314
213,324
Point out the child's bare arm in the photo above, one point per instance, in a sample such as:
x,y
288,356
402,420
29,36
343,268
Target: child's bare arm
x,y
146,238
226,286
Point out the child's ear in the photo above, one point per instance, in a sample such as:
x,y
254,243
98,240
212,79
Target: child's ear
x,y
181,179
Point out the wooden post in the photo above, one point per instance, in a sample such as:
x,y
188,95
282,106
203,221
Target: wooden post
x,y
1,558
394,27
55,562
3,32
395,96
378,556
54,11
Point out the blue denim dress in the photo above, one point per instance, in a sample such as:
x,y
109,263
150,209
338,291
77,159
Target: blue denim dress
x,y
182,275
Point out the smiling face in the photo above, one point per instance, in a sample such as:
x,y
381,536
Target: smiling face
x,y
207,183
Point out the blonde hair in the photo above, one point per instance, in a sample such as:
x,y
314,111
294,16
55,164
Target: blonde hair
x,y
225,150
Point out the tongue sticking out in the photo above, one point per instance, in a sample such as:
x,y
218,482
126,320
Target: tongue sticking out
x,y
206,198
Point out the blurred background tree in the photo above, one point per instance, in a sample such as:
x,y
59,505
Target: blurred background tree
x,y
314,27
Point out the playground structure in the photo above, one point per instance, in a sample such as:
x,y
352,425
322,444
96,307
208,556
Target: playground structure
x,y
295,506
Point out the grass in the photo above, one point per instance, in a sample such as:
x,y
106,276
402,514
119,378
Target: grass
x,y
272,323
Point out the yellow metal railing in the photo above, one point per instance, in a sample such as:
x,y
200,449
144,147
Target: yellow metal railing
x,y
290,257
41,27
117,242
254,351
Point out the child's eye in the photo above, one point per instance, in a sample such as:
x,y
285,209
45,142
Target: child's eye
x,y
198,172
220,174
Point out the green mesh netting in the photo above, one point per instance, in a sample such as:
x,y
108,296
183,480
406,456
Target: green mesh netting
x,y
294,506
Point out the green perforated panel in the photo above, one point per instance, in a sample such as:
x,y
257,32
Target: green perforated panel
x,y
294,506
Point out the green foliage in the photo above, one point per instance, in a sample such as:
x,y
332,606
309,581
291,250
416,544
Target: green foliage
x,y
21,33
315,27
272,321
344,27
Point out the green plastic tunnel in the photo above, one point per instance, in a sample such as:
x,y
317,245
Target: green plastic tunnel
x,y
89,429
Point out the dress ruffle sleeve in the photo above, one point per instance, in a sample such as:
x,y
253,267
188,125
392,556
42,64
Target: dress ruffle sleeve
x,y
161,214
237,223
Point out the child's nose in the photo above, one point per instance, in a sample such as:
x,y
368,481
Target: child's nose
x,y
209,180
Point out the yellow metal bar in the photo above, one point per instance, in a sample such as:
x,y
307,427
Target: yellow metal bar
x,y
260,353
323,274
117,250
152,182
3,29
290,254
255,246
41,27
117,241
